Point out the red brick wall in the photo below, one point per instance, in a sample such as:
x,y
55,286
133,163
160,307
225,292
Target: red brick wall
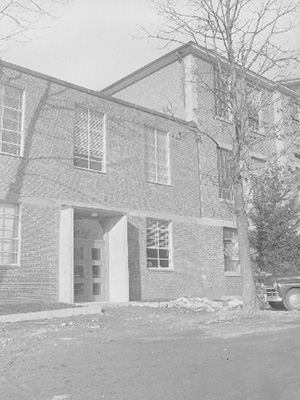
x,y
45,178
36,278
162,91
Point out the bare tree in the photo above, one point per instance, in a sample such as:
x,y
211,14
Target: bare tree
x,y
20,17
246,41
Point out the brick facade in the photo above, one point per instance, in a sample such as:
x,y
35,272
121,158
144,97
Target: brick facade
x,y
43,181
194,72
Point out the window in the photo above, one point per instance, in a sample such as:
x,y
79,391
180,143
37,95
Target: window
x,y
231,250
11,120
256,179
157,156
9,233
158,243
253,119
221,96
225,174
294,110
296,160
89,139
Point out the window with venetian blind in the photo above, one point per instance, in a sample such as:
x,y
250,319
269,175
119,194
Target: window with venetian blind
x,y
231,250
9,233
157,156
158,243
225,174
89,139
11,120
222,109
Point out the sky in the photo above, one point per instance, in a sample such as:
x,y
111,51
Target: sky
x,y
91,43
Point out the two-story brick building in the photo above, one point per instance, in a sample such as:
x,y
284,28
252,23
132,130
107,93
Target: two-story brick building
x,y
105,200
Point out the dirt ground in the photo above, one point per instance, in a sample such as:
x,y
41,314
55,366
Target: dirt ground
x,y
68,359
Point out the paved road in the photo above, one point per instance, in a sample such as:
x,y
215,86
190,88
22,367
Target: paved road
x,y
188,365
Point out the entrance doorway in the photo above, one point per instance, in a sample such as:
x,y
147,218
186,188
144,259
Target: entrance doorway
x,y
89,270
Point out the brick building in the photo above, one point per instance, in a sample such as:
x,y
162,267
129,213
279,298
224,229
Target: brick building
x,y
105,200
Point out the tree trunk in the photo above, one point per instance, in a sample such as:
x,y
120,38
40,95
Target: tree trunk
x,y
250,300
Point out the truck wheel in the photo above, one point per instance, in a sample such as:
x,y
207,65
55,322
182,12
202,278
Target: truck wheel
x,y
292,300
277,305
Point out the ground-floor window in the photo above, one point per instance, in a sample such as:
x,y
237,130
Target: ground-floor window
x,y
231,250
158,243
9,233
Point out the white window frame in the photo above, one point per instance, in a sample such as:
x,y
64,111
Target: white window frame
x,y
151,249
3,238
253,119
155,163
294,111
20,132
222,110
234,248
88,150
224,171
256,178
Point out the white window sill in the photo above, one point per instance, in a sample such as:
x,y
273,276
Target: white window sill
x,y
161,269
226,201
159,183
10,155
222,119
232,273
91,170
9,265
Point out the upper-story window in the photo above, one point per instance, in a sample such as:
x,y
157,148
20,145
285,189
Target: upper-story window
x,y
221,96
157,156
9,233
294,111
225,174
253,118
89,139
258,166
11,120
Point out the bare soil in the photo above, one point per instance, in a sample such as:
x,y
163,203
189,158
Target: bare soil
x,y
88,357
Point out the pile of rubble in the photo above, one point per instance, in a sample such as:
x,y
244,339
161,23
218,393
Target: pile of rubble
x,y
204,304
195,304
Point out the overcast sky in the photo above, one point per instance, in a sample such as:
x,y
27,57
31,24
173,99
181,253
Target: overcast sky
x,y
91,42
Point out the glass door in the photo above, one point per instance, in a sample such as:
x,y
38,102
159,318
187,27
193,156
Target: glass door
x,y
89,271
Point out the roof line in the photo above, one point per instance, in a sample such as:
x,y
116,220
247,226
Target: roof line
x,y
91,92
149,68
182,51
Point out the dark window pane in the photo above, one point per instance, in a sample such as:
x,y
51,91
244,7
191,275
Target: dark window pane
x,y
152,263
96,166
164,253
164,263
78,271
78,162
96,271
78,289
78,253
152,253
96,289
96,254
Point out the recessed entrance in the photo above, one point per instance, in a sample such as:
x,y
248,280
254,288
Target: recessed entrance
x,y
89,270
93,255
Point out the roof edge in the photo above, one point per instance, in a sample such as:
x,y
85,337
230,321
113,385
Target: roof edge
x,y
91,92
